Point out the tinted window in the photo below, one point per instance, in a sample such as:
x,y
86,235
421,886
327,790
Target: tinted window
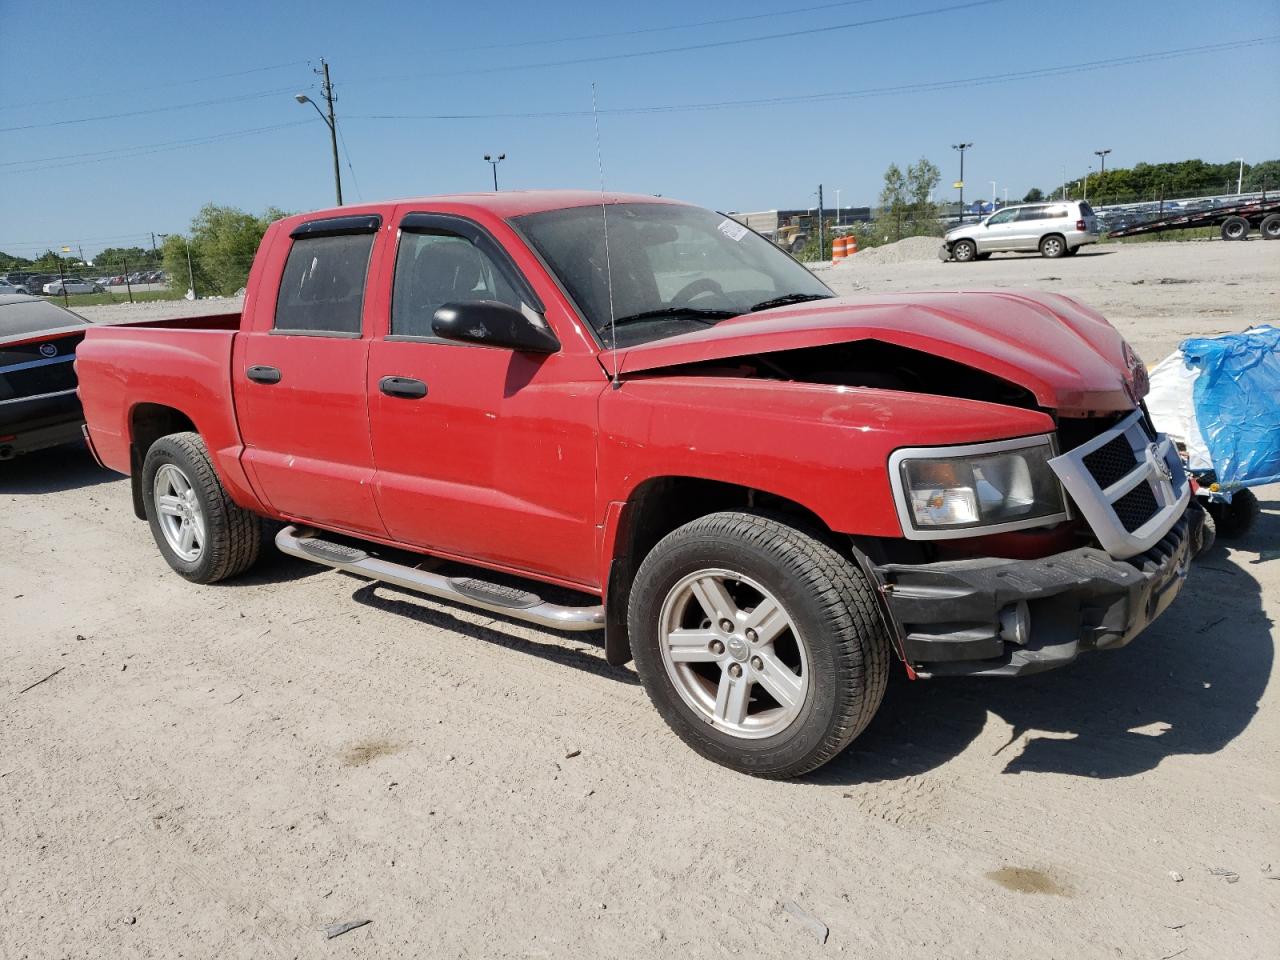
x,y
436,268
1085,209
1030,213
322,290
1004,216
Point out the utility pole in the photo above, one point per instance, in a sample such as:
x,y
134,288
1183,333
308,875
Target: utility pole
x,y
128,287
962,147
191,274
154,255
993,193
326,90
821,236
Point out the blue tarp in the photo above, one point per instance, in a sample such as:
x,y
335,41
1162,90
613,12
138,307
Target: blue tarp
x,y
1237,400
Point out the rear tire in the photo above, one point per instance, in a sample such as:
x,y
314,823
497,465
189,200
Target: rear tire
x,y
775,702
1053,246
1235,228
201,532
1270,227
964,251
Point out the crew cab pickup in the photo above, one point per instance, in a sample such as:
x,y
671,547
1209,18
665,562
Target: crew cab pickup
x,y
625,413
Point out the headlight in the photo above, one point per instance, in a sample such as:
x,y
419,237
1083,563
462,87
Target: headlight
x,y
976,489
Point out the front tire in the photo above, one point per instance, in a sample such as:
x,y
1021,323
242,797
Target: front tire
x,y
201,532
1236,518
760,645
1053,247
964,251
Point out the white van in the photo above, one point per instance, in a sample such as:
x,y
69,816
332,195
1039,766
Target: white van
x,y
1057,228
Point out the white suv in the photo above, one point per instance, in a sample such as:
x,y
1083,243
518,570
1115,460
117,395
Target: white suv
x,y
1056,228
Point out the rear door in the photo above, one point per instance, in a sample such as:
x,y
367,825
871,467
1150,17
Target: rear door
x,y
299,376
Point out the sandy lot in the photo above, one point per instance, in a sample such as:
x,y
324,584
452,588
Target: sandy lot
x,y
225,771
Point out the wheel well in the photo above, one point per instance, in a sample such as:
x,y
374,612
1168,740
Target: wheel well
x,y
148,422
659,506
1048,235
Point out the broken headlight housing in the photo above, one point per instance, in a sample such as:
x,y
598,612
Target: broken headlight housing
x,y
976,489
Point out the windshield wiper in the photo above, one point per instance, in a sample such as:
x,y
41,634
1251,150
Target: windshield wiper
x,y
692,313
786,298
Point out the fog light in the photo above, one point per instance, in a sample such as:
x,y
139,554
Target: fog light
x,y
1015,623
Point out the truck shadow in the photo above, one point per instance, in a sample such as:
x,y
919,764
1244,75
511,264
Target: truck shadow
x,y
1190,685
68,467
558,648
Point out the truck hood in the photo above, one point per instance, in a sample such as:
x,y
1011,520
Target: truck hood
x,y
1065,354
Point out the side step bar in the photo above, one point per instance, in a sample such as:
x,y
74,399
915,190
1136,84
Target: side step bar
x,y
494,597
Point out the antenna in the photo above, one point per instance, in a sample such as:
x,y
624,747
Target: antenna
x,y
608,264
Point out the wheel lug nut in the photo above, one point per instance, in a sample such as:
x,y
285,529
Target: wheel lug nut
x,y
717,647
735,670
752,636
757,663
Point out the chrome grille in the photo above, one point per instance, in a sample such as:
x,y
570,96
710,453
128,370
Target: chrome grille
x,y
1130,488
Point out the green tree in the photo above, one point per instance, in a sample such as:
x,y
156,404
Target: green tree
x,y
223,242
922,179
1033,196
893,198
116,259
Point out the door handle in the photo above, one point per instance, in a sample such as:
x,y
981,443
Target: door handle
x,y
406,387
263,374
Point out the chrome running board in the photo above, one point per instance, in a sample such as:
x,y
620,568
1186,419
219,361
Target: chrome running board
x,y
470,591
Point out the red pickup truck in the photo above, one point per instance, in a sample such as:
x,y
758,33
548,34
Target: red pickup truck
x,y
636,415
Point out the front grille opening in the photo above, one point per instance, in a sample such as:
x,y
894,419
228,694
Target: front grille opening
x,y
1111,462
1136,507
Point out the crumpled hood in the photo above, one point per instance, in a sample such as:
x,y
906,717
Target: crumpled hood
x,y
1066,354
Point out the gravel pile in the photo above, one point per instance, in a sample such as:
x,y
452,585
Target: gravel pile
x,y
906,250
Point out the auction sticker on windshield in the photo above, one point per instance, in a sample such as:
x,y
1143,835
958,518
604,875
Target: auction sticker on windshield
x,y
732,229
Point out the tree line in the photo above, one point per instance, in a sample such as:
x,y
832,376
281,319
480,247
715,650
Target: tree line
x,y
1153,181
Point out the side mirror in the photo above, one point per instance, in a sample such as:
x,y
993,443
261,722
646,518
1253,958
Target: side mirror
x,y
493,324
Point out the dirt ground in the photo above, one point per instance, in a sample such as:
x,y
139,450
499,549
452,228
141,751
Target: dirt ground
x,y
227,771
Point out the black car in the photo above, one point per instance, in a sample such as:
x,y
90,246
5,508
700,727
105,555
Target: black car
x,y
38,403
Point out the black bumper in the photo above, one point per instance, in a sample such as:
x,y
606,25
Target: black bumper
x,y
1008,618
35,423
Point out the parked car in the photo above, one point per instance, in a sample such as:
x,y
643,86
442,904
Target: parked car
x,y
36,281
9,288
38,403
761,492
72,285
1055,229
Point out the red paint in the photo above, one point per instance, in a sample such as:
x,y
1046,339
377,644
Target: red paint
x,y
523,462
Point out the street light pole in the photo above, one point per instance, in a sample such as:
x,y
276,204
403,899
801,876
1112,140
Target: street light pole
x,y
1240,176
330,121
494,163
962,147
837,206
1102,169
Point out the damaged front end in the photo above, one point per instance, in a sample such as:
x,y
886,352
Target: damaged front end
x,y
992,616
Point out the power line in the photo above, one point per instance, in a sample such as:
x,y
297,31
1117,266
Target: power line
x,y
238,98
928,86
166,84
708,45
127,153
674,26
147,146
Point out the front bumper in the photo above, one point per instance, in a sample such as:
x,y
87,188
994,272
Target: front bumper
x,y
1005,618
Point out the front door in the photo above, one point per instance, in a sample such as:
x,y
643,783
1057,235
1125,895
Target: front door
x,y
298,377
998,234
482,453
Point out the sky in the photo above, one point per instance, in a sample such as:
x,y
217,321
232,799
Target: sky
x,y
119,119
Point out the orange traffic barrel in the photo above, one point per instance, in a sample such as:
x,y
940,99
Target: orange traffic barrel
x,y
851,245
839,249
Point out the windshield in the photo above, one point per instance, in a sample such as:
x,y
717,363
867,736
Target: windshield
x,y
675,268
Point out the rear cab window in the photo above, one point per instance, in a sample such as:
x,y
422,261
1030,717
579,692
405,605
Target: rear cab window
x,y
322,287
